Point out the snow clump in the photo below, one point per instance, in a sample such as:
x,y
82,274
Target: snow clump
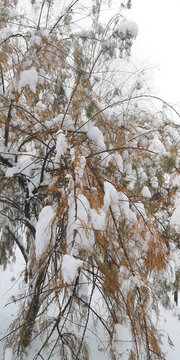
x,y
139,206
157,146
175,218
23,166
5,33
44,230
98,219
28,78
70,266
95,134
111,199
61,146
145,192
127,29
78,223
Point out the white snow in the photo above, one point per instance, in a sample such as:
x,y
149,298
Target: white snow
x,y
110,195
83,287
128,169
105,159
146,192
111,199
79,223
61,146
36,41
80,162
127,29
140,209
27,63
95,134
44,230
28,78
157,146
41,76
154,182
139,84
8,354
68,123
119,161
122,341
125,209
73,154
98,219
168,323
23,166
69,268
124,203
125,155
132,180
142,175
5,33
131,217
79,169
175,219
13,85
45,33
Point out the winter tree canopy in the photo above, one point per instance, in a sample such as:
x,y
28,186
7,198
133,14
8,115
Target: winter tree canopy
x,y
89,184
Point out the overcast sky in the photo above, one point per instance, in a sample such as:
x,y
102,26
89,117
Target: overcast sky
x,y
158,42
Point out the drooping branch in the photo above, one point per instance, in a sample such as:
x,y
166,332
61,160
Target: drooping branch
x,y
87,318
20,245
2,79
7,122
33,309
5,161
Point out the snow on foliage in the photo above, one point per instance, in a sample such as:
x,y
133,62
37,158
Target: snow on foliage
x,y
28,78
126,211
61,146
36,41
119,161
175,218
111,198
127,29
145,192
67,124
79,233
157,146
69,268
44,230
83,287
154,182
23,166
98,219
79,169
5,33
95,134
139,206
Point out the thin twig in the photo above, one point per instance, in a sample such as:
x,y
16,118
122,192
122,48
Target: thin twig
x,y
61,17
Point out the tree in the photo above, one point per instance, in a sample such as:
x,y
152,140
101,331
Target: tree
x,y
88,183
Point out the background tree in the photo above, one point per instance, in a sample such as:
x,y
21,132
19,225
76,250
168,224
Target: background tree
x,y
88,180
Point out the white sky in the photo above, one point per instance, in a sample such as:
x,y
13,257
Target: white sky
x,y
158,42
